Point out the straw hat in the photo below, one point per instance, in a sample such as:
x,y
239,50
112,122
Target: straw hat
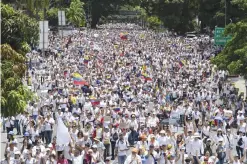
x,y
134,150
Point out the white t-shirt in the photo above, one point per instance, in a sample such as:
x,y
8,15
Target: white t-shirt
x,y
152,159
131,160
31,161
12,153
122,147
48,124
78,159
35,111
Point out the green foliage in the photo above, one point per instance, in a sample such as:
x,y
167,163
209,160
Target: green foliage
x,y
234,55
18,29
177,14
75,13
52,16
14,95
212,12
154,22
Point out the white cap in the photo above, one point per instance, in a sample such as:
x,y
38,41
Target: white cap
x,y
17,153
220,139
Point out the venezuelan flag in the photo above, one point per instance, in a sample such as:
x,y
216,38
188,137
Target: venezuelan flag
x,y
86,60
78,80
146,77
181,64
123,36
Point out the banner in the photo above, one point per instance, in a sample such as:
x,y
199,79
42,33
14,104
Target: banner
x,y
63,136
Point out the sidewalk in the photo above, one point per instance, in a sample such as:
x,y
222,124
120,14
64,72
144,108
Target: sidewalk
x,y
239,83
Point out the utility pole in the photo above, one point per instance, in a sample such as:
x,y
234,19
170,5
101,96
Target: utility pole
x,y
225,12
43,50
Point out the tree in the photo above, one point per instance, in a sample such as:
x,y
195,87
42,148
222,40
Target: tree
x,y
176,15
34,7
154,22
212,13
104,8
75,13
234,55
14,95
18,30
52,16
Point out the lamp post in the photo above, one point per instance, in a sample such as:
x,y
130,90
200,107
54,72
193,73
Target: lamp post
x,y
246,88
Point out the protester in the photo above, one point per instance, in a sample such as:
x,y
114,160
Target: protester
x,y
128,96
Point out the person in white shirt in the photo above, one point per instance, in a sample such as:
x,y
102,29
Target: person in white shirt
x,y
77,158
121,149
152,156
49,122
240,117
133,158
240,144
236,160
196,146
30,159
35,111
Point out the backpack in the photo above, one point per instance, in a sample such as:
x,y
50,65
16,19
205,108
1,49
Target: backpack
x,y
115,136
240,142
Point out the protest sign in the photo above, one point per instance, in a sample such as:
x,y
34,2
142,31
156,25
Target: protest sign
x,y
174,118
107,118
227,113
150,107
123,125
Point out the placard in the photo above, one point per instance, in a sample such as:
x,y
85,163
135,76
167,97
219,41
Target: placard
x,y
174,118
227,113
123,125
107,118
150,107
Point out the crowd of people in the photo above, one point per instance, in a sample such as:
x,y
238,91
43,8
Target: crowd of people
x,y
128,97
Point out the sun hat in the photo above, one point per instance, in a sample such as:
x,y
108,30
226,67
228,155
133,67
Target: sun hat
x,y
134,150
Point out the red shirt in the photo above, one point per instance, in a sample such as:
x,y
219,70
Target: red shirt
x,y
62,161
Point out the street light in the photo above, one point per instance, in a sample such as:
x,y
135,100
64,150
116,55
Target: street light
x,y
246,88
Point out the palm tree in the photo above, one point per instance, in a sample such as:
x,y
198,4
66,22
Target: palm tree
x,y
75,13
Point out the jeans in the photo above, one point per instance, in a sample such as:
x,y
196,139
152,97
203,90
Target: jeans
x,y
113,144
195,160
42,136
121,159
220,161
48,136
17,126
107,151
35,117
240,152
